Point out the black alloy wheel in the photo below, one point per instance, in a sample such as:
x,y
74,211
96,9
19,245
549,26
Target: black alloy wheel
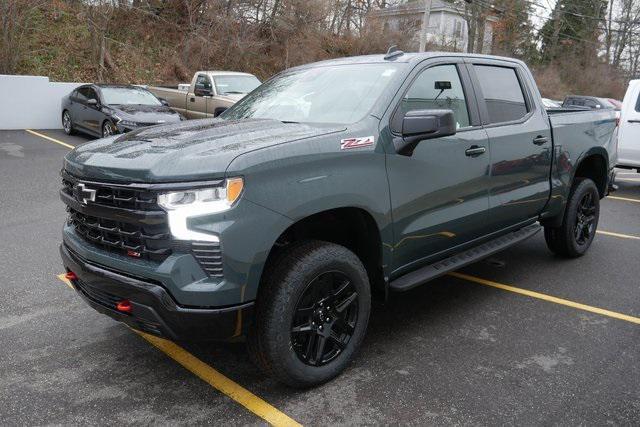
x,y
585,219
324,319
580,221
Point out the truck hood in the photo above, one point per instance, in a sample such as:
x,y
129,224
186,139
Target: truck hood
x,y
186,151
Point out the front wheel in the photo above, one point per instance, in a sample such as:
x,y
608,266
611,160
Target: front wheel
x,y
108,129
311,313
573,238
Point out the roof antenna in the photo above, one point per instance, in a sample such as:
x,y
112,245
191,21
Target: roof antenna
x,y
393,52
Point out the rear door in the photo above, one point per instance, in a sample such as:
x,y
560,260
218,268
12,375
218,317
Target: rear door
x,y
519,139
76,107
629,136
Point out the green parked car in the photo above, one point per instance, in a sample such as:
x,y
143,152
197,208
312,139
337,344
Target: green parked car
x,y
328,186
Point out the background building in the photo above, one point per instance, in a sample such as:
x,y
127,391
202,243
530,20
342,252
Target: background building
x,y
448,27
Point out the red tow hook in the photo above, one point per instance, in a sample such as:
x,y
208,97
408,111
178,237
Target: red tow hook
x,y
71,276
124,306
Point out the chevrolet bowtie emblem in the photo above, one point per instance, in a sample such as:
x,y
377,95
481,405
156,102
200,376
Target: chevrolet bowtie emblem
x,y
84,194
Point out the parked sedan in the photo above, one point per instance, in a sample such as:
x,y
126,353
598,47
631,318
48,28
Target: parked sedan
x,y
103,110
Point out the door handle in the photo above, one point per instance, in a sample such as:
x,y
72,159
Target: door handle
x,y
475,151
192,99
539,140
633,121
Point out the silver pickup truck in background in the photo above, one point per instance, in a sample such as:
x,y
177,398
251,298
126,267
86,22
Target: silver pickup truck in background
x,y
210,93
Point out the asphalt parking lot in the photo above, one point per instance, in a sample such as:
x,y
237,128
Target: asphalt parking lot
x,y
522,338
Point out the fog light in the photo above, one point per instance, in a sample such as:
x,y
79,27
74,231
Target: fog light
x,y
124,306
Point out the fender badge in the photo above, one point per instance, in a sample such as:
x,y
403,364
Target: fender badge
x,y
349,143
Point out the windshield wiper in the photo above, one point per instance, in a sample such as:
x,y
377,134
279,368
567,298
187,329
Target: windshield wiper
x,y
233,91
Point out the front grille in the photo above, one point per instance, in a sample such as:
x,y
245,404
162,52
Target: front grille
x,y
148,241
121,219
209,257
116,196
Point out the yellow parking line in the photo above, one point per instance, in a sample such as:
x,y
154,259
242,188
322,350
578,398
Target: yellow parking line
x,y
625,199
220,382
622,236
546,297
64,144
64,279
215,379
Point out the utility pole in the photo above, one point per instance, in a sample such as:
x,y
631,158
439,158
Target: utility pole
x,y
425,24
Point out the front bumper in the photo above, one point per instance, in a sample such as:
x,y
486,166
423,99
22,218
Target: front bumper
x,y
153,309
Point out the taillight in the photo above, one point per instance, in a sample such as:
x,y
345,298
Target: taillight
x,y
71,276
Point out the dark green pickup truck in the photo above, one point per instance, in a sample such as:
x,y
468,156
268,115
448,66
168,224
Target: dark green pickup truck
x,y
328,186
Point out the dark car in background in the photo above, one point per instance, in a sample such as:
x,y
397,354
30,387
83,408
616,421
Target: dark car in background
x,y
103,110
588,102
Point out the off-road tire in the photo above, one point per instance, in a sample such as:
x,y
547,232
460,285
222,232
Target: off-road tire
x,y
562,240
285,280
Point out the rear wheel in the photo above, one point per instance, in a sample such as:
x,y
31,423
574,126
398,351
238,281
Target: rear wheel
x,y
67,124
311,314
573,238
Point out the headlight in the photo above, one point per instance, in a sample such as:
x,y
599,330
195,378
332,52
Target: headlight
x,y
128,123
182,205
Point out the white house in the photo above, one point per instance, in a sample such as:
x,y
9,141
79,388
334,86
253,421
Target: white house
x,y
447,24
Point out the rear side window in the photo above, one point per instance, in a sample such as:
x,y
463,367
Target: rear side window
x,y
638,104
502,93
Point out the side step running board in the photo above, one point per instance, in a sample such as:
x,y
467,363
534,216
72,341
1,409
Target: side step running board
x,y
429,272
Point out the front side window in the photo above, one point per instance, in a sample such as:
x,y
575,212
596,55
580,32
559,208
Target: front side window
x,y
334,94
502,93
203,83
79,95
128,96
235,84
436,88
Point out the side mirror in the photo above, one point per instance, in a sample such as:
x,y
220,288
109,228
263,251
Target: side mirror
x,y
163,102
419,125
92,103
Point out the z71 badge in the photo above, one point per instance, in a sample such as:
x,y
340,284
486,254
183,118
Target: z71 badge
x,y
349,143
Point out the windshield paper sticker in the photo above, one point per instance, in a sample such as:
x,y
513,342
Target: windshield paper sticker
x,y
349,143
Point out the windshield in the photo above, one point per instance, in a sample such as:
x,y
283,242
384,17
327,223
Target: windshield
x,y
339,94
235,84
128,96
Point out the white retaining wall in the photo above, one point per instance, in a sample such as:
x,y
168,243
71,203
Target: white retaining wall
x,y
31,102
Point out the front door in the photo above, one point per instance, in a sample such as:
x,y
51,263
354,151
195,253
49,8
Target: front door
x,y
439,194
520,140
629,138
197,101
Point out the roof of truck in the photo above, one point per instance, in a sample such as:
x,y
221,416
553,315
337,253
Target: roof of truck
x,y
224,73
403,57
